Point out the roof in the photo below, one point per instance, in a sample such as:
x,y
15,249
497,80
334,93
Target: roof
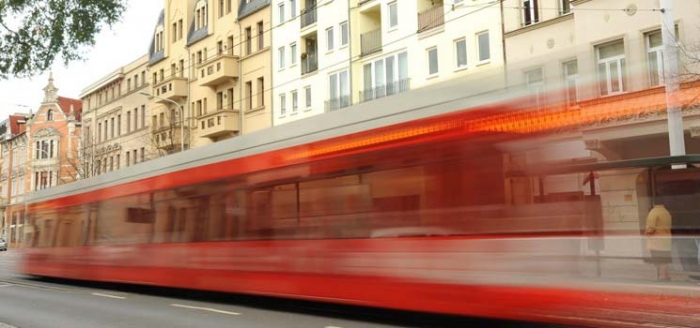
x,y
65,104
247,8
154,57
561,168
15,126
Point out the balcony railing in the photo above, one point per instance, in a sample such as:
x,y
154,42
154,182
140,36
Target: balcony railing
x,y
371,41
172,88
431,18
218,70
308,17
338,103
388,89
309,64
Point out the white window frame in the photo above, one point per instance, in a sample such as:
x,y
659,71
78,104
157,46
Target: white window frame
x,y
659,65
344,34
293,8
478,46
620,62
530,7
565,7
295,101
393,20
459,66
338,89
281,12
292,54
570,82
281,53
534,83
283,104
330,42
307,96
432,51
396,76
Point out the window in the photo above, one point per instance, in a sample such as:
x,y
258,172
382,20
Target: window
x,y
293,8
295,101
461,53
136,118
530,12
174,36
221,8
329,38
49,115
344,34
281,12
248,40
534,82
179,29
393,15
261,92
281,55
261,36
307,91
655,54
283,104
484,47
339,90
611,67
432,61
385,76
565,6
570,69
293,54
249,95
228,6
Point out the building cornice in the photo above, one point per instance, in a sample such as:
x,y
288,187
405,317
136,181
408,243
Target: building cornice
x,y
539,25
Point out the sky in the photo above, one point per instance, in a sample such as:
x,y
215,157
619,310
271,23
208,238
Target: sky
x,y
114,47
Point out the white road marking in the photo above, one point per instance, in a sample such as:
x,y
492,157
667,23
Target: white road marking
x,y
204,309
110,296
5,285
332,327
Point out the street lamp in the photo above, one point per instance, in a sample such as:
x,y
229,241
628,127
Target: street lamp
x,y
182,115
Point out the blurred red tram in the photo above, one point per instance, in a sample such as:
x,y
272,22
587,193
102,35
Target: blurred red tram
x,y
411,208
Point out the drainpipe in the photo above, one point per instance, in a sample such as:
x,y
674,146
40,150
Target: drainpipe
x,y
503,46
350,70
240,78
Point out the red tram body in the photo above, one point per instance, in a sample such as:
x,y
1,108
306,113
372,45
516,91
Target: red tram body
x,y
408,210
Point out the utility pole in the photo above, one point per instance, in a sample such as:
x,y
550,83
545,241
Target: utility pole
x,y
671,80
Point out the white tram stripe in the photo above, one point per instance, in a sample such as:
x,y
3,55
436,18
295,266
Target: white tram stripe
x,y
204,309
110,296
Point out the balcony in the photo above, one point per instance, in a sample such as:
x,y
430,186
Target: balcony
x,y
371,42
218,70
338,103
308,17
431,18
388,89
172,88
218,123
309,64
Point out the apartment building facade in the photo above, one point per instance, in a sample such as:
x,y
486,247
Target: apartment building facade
x,y
604,60
39,150
310,58
115,125
208,84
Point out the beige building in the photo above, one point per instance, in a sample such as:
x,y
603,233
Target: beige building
x,y
209,70
115,121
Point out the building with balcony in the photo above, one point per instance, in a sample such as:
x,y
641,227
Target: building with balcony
x,y
13,174
603,60
115,121
440,40
310,58
208,66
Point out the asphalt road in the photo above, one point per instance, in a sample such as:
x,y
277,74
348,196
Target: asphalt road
x,y
33,303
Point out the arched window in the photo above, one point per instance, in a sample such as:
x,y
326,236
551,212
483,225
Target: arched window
x,y
200,12
49,115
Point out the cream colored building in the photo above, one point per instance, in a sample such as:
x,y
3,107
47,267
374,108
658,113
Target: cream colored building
x,y
115,121
208,71
604,59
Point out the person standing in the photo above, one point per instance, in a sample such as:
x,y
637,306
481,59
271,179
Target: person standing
x,y
658,233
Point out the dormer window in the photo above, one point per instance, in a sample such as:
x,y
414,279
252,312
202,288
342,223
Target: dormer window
x,y
49,115
200,14
158,39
